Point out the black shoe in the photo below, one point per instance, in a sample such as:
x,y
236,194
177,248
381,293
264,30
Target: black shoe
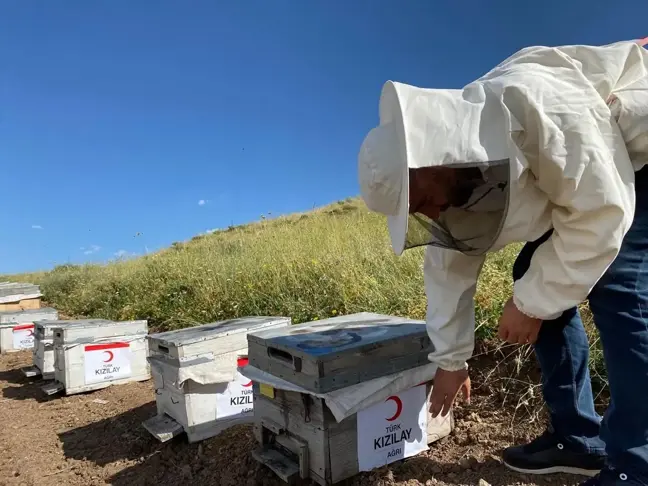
x,y
610,477
547,455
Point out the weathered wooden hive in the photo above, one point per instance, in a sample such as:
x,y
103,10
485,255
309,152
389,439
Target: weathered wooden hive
x,y
93,355
19,296
372,412
17,328
198,389
334,353
43,350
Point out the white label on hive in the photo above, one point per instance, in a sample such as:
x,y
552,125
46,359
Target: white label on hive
x,y
23,336
107,362
393,429
237,400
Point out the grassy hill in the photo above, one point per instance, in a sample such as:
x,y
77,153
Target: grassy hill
x,y
333,260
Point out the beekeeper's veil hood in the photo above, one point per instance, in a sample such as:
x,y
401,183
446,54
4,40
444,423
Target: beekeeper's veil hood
x,y
462,129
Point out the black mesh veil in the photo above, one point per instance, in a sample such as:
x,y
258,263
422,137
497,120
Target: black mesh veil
x,y
473,224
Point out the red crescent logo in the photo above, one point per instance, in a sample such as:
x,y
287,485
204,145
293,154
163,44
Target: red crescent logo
x,y
31,333
399,407
110,356
241,362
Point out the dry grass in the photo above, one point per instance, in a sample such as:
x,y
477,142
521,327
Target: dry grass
x,y
335,260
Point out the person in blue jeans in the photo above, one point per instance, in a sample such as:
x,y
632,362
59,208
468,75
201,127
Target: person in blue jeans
x,y
548,148
578,441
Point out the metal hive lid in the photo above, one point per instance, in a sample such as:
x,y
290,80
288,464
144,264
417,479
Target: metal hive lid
x,y
216,330
329,337
71,322
10,316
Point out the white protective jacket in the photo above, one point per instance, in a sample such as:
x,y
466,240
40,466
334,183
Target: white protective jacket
x,y
571,124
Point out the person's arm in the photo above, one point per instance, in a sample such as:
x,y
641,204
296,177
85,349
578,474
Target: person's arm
x,y
629,107
578,158
450,283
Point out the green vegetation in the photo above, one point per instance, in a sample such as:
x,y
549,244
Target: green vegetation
x,y
308,266
334,260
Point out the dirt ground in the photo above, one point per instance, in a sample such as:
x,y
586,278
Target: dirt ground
x,y
97,438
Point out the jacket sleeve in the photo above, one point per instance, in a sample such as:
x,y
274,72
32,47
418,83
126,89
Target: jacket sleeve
x,y
629,107
577,157
450,283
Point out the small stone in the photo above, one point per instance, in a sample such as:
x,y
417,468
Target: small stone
x,y
483,482
475,418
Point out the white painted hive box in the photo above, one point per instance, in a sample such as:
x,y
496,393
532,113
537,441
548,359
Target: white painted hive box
x,y
94,355
198,388
17,328
43,351
299,437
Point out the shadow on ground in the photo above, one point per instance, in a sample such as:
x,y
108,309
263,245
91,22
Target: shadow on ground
x,y
13,376
224,460
27,389
112,439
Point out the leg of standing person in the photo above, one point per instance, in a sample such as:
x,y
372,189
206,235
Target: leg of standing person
x,y
619,302
571,443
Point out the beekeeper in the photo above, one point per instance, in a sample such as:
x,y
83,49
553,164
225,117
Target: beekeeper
x,y
547,148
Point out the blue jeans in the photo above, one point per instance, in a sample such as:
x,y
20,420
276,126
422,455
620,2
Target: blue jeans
x,y
619,303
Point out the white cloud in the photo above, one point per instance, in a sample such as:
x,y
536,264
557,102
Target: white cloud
x,y
37,226
90,250
124,254
202,202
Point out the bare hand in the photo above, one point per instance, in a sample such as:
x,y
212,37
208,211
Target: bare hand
x,y
446,388
516,327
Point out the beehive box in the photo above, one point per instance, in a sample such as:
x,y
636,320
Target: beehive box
x,y
17,328
43,350
335,353
198,389
96,355
19,296
300,438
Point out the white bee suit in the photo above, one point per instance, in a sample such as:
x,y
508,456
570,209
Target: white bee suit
x,y
558,133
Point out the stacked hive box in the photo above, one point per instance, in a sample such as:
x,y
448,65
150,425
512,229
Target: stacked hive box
x,y
198,388
43,350
351,360
17,328
19,296
91,355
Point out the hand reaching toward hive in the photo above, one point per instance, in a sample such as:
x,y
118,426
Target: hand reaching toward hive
x,y
445,389
517,328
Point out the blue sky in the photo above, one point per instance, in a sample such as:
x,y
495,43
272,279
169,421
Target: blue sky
x,y
118,118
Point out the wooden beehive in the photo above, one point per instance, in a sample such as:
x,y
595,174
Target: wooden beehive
x,y
43,350
18,296
335,353
299,437
95,355
198,389
17,328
